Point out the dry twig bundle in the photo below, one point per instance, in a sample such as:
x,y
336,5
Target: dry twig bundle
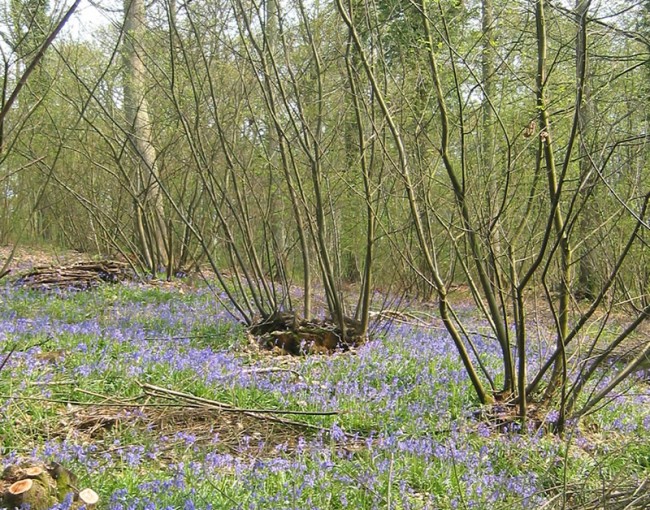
x,y
81,275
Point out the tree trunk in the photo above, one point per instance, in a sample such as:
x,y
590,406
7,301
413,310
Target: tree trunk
x,y
586,283
492,234
559,376
149,215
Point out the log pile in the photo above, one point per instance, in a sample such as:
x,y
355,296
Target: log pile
x,y
81,275
42,486
286,333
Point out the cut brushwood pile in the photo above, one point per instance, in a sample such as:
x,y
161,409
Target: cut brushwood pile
x,y
40,486
81,275
628,495
265,415
286,333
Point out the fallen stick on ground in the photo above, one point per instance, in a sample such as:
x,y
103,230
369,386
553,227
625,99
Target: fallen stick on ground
x,y
264,414
150,389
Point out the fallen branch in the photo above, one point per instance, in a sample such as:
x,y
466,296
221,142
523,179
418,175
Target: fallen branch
x,y
264,414
268,370
152,390
81,403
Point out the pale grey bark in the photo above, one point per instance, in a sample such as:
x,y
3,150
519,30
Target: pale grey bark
x,y
149,214
586,275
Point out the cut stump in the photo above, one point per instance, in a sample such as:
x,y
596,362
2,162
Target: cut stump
x,y
88,498
32,492
41,486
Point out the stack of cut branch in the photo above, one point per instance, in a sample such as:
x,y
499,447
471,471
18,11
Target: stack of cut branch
x,y
631,496
81,275
192,401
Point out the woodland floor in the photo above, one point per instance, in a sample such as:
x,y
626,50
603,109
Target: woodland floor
x,y
156,398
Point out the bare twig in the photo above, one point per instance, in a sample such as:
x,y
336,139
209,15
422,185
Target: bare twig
x,y
8,355
81,403
6,107
266,370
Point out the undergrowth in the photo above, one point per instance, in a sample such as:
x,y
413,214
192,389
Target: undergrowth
x,y
401,430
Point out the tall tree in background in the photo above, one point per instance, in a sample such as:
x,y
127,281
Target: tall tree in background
x,y
585,285
487,138
29,48
31,26
149,214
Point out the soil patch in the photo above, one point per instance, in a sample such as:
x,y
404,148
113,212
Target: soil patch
x,y
25,258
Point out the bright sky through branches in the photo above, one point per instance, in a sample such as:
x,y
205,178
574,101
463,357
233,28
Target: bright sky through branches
x,y
89,17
